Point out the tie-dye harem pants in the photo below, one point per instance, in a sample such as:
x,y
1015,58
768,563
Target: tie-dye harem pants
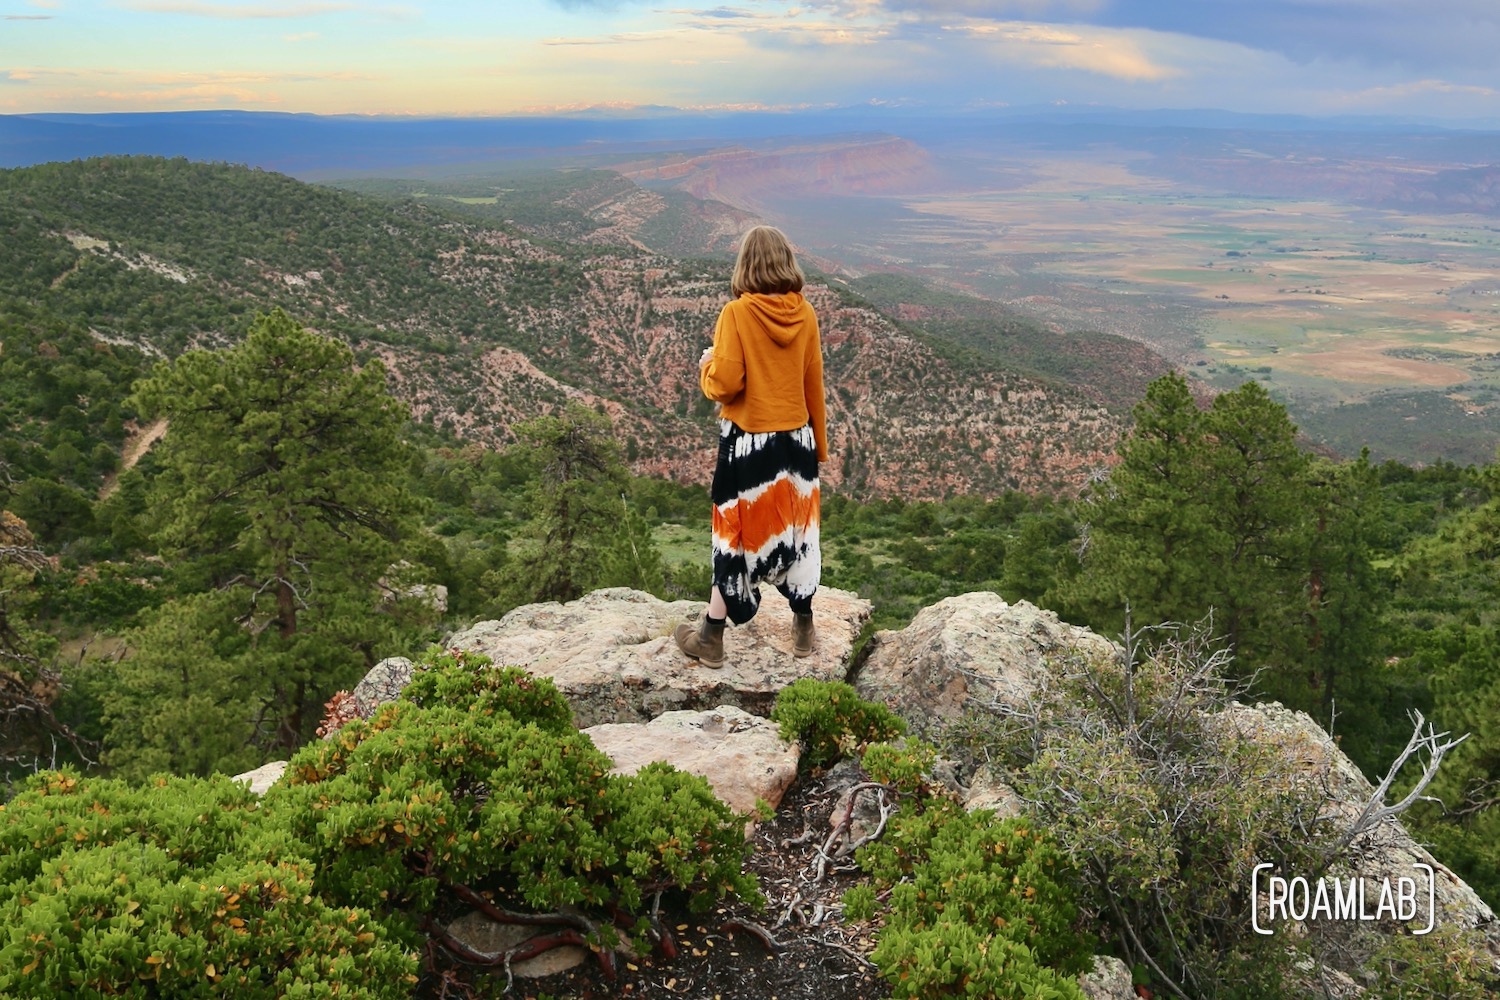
x,y
765,519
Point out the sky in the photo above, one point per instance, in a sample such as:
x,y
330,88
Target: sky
x,y
1433,59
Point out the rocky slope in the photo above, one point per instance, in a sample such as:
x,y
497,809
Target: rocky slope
x,y
642,700
481,325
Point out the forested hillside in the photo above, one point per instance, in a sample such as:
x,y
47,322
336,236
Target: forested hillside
x,y
482,326
365,402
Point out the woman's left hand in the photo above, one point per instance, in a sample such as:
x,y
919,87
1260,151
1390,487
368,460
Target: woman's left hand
x,y
706,357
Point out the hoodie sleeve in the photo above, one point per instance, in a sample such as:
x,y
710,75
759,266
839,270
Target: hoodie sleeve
x,y
723,378
812,388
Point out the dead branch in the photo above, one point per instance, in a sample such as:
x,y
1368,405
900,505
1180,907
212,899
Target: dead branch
x,y
1424,740
756,931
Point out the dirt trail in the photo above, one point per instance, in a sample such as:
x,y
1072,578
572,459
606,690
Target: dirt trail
x,y
136,445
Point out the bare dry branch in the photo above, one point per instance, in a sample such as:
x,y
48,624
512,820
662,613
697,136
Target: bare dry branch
x,y
1424,740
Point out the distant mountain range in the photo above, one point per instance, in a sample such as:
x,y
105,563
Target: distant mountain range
x,y
320,146
492,309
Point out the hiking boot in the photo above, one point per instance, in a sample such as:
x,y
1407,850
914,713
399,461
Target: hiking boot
x,y
803,634
704,643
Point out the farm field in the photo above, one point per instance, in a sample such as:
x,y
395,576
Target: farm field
x,y
1330,305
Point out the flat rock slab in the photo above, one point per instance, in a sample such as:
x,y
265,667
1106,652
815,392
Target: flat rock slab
x,y
742,756
611,652
493,940
263,777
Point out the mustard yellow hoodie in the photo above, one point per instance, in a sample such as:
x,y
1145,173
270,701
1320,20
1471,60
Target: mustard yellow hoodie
x,y
767,366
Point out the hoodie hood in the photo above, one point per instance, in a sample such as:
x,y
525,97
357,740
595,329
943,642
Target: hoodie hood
x,y
782,317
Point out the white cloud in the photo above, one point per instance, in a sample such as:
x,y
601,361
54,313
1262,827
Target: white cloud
x,y
1106,53
196,8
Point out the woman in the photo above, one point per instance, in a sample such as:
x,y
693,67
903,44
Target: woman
x,y
766,372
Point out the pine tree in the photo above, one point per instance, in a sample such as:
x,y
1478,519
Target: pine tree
x,y
1147,531
1206,515
283,482
1254,499
583,533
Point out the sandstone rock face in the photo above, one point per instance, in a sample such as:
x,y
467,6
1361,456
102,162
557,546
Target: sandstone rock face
x,y
383,683
263,777
611,652
1108,980
974,646
741,755
1386,852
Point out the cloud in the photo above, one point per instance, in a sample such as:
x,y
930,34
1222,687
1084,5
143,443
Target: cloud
x,y
1418,89
201,94
622,38
197,8
726,13
27,17
1407,33
1057,47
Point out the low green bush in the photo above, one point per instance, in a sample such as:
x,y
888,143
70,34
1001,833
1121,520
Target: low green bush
x,y
498,794
483,794
978,907
174,888
461,678
830,720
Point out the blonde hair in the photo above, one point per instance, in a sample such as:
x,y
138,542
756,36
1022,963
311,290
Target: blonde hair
x,y
765,264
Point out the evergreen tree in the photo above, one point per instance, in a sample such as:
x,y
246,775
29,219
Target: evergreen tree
x,y
583,533
1346,604
1254,500
1148,535
282,483
1206,515
1457,569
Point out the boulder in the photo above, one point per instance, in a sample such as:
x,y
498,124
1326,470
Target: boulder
x,y
383,683
263,777
989,792
611,652
1108,980
1386,852
742,756
973,646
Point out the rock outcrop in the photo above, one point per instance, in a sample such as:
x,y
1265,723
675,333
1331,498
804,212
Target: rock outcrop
x,y
742,756
962,650
612,653
977,649
641,700
1388,851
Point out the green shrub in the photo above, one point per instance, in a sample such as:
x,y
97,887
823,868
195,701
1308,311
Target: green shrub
x,y
404,810
1449,963
175,888
906,766
458,677
978,907
830,720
